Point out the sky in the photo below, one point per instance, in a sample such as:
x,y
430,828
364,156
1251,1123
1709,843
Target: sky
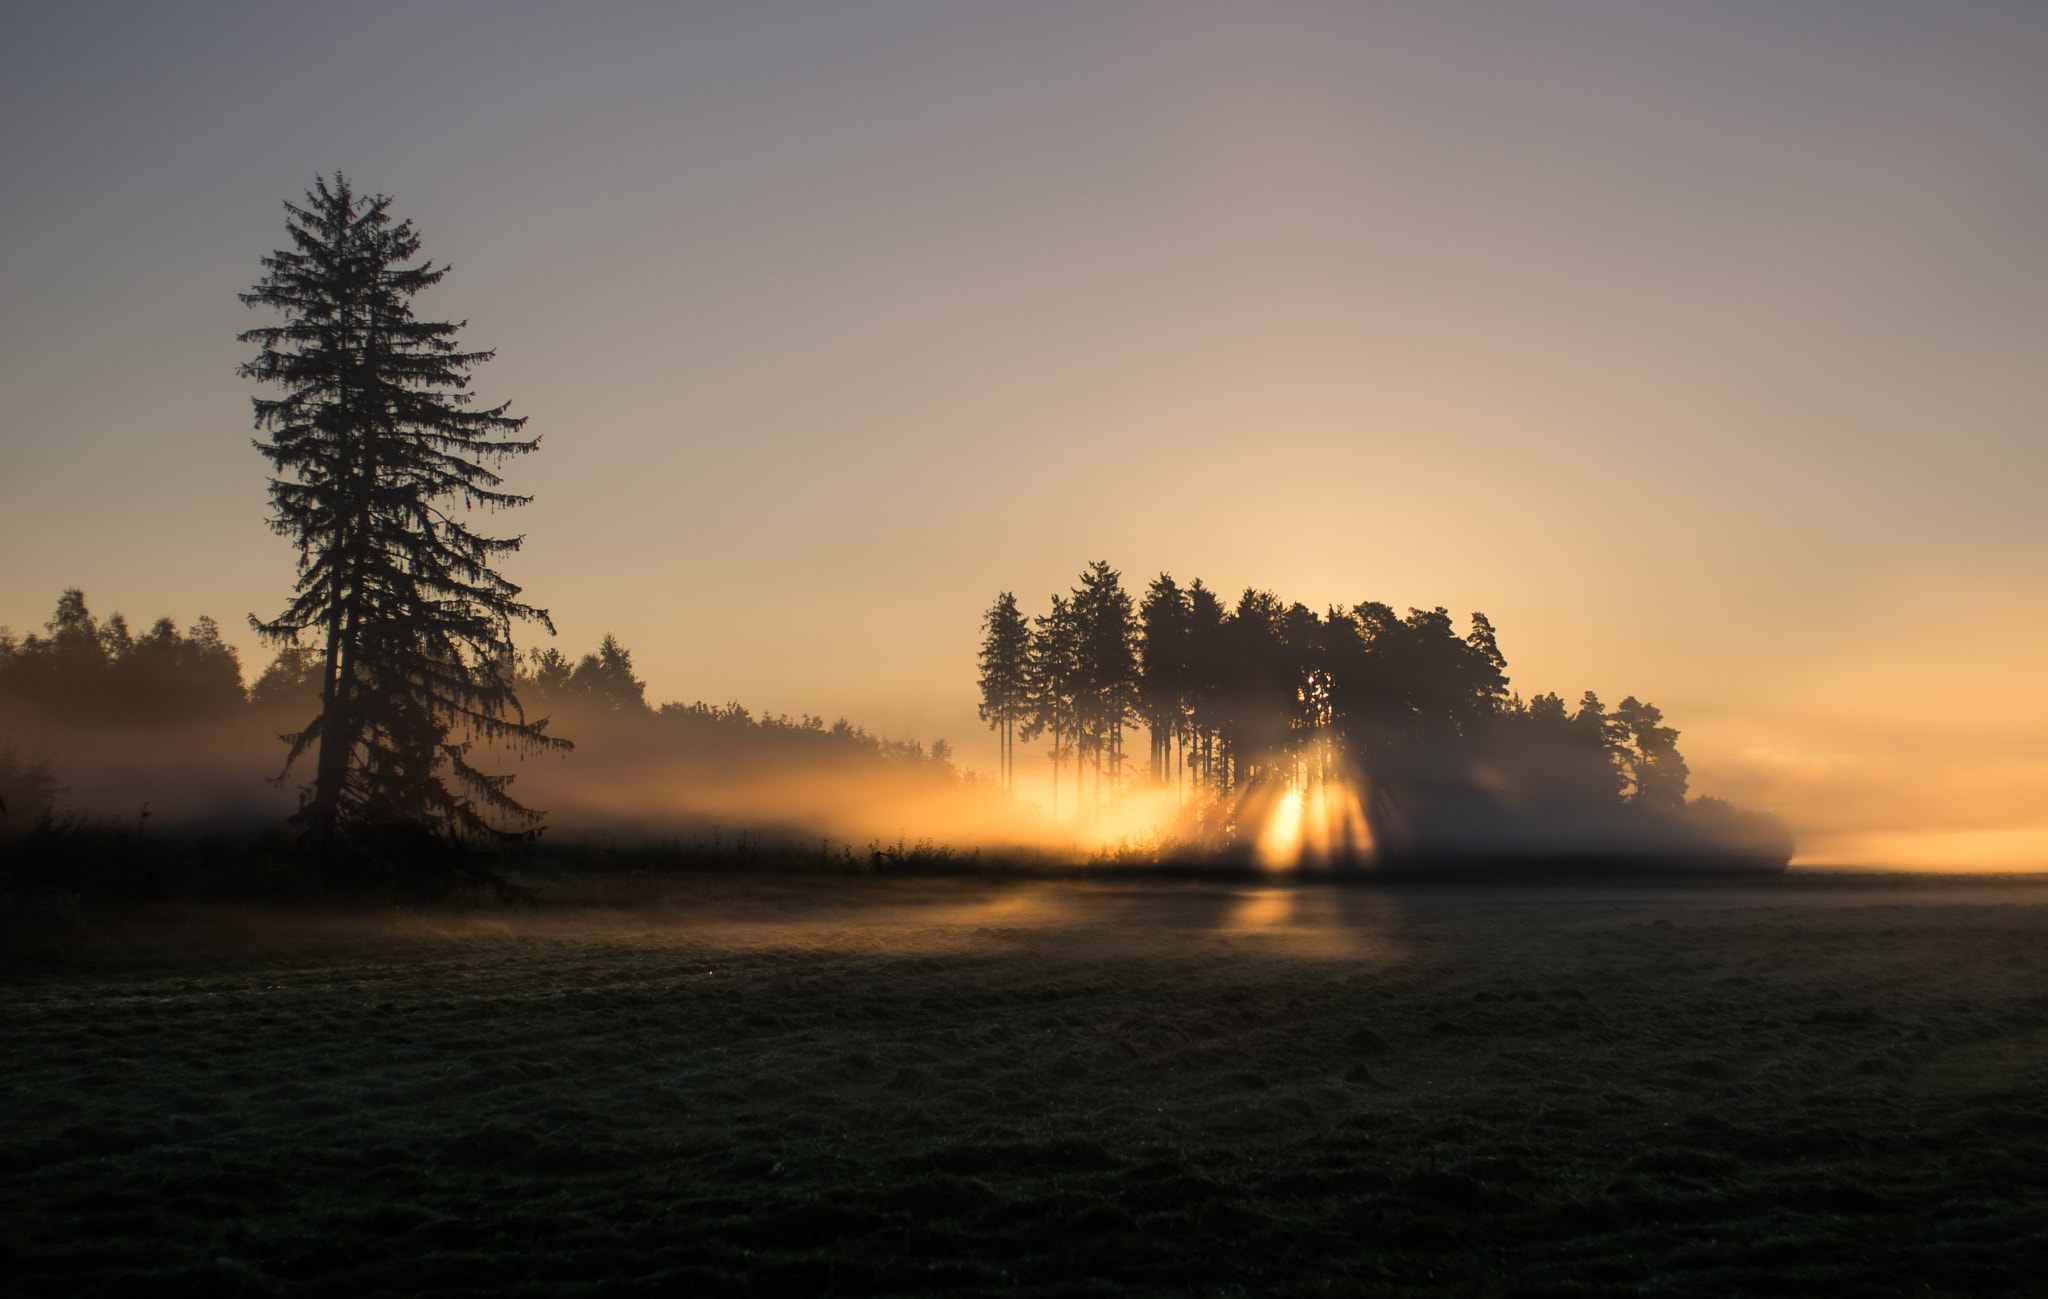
x,y
1703,347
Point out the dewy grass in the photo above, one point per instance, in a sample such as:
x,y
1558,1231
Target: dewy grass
x,y
807,1086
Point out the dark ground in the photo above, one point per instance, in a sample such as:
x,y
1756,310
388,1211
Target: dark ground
x,y
801,1087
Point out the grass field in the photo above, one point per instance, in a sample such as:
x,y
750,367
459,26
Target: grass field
x,y
806,1087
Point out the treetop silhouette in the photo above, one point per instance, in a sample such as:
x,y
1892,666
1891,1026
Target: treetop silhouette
x,y
1005,677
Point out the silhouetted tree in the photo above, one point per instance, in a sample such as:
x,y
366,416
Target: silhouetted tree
x,y
1600,735
606,678
1656,771
1163,672
1488,667
1106,669
1207,684
1261,672
550,672
376,446
1005,676
1051,698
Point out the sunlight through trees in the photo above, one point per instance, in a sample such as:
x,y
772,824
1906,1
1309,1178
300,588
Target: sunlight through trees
x,y
1351,733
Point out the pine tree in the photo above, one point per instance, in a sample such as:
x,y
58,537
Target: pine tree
x,y
1207,671
1051,688
1163,672
1595,731
378,453
1657,772
1106,624
1005,672
1488,667
606,678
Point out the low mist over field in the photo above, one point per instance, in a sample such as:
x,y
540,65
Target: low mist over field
x,y
88,736
1277,739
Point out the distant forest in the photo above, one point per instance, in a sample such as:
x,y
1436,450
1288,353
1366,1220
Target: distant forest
x,y
604,681
1241,700
83,675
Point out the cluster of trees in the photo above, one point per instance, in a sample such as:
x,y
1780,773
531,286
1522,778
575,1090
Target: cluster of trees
x,y
1263,693
1073,675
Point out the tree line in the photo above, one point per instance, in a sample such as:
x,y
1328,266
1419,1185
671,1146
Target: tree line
x,y
603,686
84,672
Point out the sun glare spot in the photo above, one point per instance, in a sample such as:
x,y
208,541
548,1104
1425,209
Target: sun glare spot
x,y
1280,841
1322,823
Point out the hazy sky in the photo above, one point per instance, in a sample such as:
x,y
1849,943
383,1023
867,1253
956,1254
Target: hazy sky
x,y
1702,346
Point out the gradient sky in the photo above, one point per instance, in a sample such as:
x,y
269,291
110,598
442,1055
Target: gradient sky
x,y
1704,347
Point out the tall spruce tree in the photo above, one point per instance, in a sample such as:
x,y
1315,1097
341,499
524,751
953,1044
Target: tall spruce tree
x,y
379,454
1005,676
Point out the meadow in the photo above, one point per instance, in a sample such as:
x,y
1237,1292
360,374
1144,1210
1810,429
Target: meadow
x,y
729,1085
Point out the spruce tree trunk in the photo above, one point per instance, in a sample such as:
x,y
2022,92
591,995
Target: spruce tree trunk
x,y
337,713
337,740
330,771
